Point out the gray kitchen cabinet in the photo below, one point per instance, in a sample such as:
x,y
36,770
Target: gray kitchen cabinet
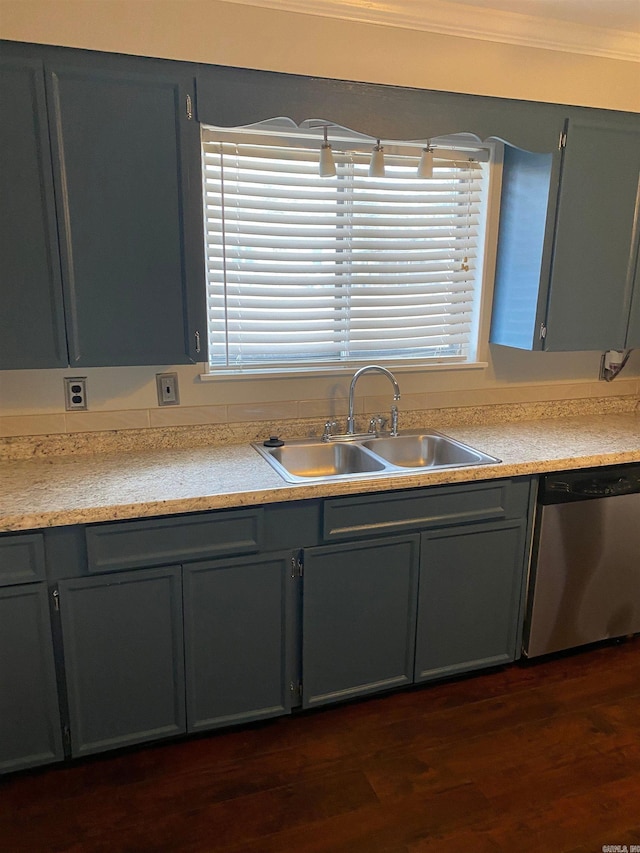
x,y
102,171
471,586
127,181
568,240
123,657
197,621
358,618
152,648
30,727
473,548
238,625
32,331
101,168
633,333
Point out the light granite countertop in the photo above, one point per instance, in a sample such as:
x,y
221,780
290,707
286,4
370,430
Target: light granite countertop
x,y
62,490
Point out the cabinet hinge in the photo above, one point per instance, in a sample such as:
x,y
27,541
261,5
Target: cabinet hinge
x,y
297,565
189,107
562,142
56,599
296,689
543,331
197,337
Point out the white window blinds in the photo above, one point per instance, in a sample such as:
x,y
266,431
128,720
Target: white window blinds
x,y
304,270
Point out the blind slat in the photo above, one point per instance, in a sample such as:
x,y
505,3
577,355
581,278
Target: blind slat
x,y
440,217
311,287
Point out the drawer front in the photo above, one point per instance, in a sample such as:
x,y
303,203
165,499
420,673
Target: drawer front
x,y
439,506
169,540
21,558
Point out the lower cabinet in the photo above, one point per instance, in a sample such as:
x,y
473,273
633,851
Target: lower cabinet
x,y
123,657
358,620
471,583
316,602
393,611
29,714
151,653
238,622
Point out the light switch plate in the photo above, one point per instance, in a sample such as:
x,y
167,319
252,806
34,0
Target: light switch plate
x,y
167,385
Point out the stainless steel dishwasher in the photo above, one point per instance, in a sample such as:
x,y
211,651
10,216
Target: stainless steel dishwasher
x,y
585,575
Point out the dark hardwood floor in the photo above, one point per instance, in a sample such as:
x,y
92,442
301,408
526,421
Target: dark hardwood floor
x,y
538,757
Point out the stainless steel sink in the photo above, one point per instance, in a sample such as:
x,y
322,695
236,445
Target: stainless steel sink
x,y
302,460
427,450
314,460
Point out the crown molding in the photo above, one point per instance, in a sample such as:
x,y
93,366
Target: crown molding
x,y
467,21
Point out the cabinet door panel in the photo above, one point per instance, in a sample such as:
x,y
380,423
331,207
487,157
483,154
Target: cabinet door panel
x,y
633,333
21,558
124,154
363,516
358,618
237,640
124,661
31,321
469,600
590,292
523,263
30,732
172,539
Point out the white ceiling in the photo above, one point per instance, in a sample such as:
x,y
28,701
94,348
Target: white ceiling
x,y
608,28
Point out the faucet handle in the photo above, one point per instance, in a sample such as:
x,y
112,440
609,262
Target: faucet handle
x,y
376,424
329,425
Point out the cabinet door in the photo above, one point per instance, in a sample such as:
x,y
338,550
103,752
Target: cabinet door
x,y
30,731
31,321
358,620
590,291
123,653
127,171
471,582
523,262
633,333
238,640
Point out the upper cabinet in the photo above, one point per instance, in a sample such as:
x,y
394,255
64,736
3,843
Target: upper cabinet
x,y
32,332
101,249
568,244
122,167
126,285
633,335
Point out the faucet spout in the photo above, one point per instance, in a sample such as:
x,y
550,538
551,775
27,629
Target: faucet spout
x,y
370,368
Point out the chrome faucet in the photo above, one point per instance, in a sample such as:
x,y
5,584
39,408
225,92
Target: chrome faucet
x,y
373,368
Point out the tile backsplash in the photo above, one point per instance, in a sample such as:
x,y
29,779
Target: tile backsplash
x,y
103,432
262,412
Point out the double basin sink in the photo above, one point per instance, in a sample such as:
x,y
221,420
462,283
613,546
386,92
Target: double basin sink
x,y
314,460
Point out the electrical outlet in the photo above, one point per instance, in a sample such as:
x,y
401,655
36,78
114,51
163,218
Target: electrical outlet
x,y
167,385
75,393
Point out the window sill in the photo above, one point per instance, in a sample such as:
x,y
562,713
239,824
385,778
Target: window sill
x,y
346,370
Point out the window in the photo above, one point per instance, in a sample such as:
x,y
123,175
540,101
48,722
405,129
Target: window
x,y
307,272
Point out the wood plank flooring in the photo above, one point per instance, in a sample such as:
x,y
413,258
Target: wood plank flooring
x,y
535,758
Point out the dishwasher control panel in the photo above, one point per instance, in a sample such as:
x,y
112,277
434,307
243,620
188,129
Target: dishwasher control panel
x,y
589,483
